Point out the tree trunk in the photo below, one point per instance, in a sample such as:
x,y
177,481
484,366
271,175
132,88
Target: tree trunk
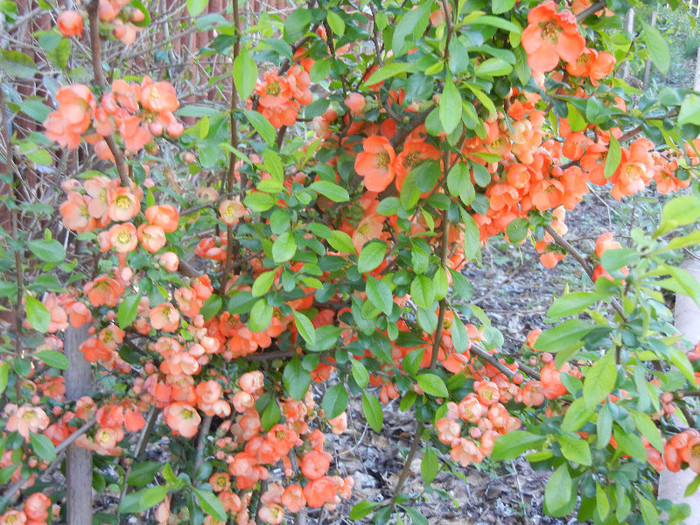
x,y
672,485
647,64
696,83
629,27
78,459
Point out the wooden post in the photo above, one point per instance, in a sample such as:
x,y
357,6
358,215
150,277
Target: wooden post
x,y
629,27
647,64
672,485
696,82
78,459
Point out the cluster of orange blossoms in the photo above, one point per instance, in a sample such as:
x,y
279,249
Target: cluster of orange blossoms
x,y
115,12
36,511
137,111
251,453
280,97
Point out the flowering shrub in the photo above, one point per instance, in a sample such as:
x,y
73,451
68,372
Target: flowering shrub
x,y
358,162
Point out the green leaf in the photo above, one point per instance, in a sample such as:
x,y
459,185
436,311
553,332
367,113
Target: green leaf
x,y
501,6
305,327
196,7
692,487
450,107
577,415
262,126
612,161
613,260
512,444
388,71
38,316
4,375
211,307
412,24
341,242
144,499
690,110
260,316
43,446
429,465
630,444
263,283
48,251
335,401
572,304
678,212
432,384
379,294
558,493
600,380
143,473
373,411
472,242
359,373
493,67
296,379
245,73
296,24
458,179
650,513
601,501
657,47
604,427
648,429
497,21
331,190
567,334
576,450
422,292
284,248
53,358
270,416
128,310
416,517
576,120
211,504
336,23
362,509
371,256
16,64
517,230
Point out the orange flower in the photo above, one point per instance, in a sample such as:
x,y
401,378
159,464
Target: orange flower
x,y
220,481
315,464
27,419
551,35
464,452
75,213
182,419
36,507
274,91
165,317
319,492
271,513
159,96
413,154
123,205
231,211
293,498
164,215
70,23
375,163
152,237
123,237
103,291
76,106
